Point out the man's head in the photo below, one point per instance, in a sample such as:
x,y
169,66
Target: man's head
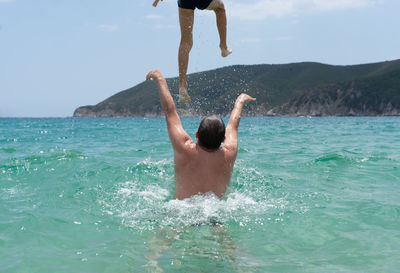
x,y
211,132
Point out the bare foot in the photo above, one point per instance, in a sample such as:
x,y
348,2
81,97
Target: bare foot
x,y
184,98
225,51
183,94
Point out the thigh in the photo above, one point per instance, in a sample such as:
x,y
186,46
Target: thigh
x,y
186,20
215,4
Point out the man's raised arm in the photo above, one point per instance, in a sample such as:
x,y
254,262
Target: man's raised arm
x,y
176,133
234,120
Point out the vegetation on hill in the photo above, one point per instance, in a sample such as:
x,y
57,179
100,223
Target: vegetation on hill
x,y
287,89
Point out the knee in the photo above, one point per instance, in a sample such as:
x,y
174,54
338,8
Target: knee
x,y
220,8
187,44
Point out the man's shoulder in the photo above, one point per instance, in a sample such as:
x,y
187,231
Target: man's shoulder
x,y
186,148
230,150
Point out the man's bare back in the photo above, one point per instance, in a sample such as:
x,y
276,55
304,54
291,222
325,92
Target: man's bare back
x,y
206,165
200,171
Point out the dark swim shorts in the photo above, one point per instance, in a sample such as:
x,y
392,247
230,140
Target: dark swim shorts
x,y
192,4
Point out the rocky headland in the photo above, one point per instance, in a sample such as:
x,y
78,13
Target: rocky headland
x,y
299,89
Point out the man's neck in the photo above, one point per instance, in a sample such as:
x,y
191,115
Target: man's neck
x,y
206,149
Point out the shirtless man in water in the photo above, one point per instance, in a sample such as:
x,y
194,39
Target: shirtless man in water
x,y
206,165
186,19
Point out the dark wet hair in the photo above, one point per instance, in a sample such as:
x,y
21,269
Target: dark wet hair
x,y
211,132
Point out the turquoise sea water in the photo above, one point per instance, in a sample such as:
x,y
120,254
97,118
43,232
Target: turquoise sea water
x,y
95,195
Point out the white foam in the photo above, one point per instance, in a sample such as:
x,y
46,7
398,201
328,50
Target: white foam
x,y
146,206
201,209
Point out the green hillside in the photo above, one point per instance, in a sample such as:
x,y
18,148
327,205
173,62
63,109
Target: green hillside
x,y
276,87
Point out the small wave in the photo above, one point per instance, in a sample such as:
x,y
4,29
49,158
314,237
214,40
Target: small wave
x,y
345,158
26,164
332,157
53,156
352,158
8,150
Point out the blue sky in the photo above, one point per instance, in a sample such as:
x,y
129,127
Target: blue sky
x,y
58,55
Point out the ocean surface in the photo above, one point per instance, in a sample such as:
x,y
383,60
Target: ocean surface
x,y
96,195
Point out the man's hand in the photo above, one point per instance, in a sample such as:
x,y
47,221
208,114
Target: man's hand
x,y
244,98
155,3
154,75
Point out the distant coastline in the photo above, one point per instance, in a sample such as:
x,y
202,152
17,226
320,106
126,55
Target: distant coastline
x,y
298,89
